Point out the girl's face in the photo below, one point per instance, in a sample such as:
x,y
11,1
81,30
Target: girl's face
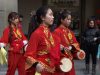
x,y
15,21
67,21
91,24
49,18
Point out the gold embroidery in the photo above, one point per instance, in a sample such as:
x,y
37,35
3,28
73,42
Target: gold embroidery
x,y
43,52
47,43
66,40
46,32
47,67
51,40
48,60
69,54
68,43
17,34
70,36
49,37
29,62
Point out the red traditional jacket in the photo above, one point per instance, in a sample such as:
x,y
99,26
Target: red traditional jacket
x,y
17,38
67,39
43,48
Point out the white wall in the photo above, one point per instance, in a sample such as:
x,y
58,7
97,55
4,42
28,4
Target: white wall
x,y
6,6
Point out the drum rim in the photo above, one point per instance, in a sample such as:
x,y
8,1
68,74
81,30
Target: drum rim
x,y
68,61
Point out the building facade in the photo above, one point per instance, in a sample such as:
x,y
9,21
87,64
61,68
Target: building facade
x,y
81,9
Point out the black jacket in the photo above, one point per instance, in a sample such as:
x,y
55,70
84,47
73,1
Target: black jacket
x,y
89,35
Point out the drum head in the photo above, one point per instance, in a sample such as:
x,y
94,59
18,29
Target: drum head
x,y
81,55
66,64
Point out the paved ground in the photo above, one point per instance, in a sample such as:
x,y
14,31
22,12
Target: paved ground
x,y
79,67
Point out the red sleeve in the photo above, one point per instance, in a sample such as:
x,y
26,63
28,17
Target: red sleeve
x,y
56,49
75,42
32,46
5,36
76,45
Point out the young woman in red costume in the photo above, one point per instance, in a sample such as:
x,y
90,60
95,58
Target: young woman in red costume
x,y
43,52
68,40
14,36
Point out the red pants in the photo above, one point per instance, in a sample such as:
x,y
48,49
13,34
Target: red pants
x,y
58,71
30,71
16,61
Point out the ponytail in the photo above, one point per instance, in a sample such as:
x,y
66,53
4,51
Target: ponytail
x,y
33,25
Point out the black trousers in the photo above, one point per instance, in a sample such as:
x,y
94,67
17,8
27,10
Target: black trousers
x,y
91,51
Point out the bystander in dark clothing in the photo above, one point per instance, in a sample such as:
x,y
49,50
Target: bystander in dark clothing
x,y
90,37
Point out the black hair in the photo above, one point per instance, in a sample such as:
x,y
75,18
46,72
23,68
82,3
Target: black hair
x,y
33,25
36,19
62,15
12,16
58,17
20,16
41,12
88,21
